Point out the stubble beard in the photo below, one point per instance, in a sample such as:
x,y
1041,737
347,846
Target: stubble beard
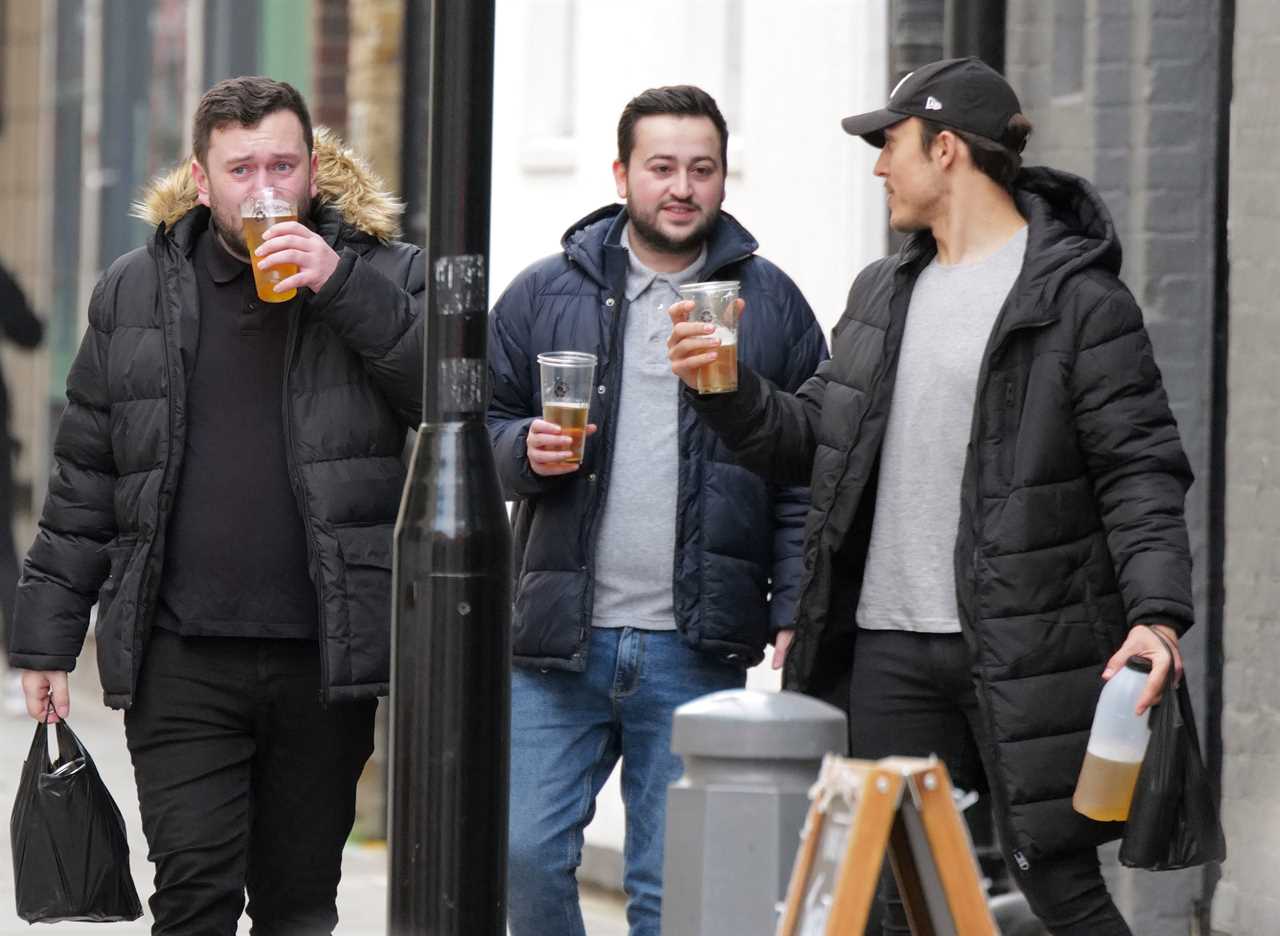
x,y
648,231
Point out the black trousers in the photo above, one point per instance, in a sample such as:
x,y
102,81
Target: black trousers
x,y
245,782
912,694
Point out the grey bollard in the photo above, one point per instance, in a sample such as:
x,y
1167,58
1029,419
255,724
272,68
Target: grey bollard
x,y
734,817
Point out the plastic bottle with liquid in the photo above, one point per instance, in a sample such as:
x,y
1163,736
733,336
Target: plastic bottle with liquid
x,y
1117,743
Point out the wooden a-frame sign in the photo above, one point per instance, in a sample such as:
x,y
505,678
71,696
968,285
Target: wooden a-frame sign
x,y
863,809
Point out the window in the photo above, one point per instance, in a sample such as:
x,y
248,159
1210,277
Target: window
x,y
549,69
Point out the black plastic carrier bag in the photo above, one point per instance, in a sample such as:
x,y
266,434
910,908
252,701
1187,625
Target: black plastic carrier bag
x,y
1173,821
70,856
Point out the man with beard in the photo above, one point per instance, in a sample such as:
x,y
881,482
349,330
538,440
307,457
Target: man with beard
x,y
998,482
657,570
226,479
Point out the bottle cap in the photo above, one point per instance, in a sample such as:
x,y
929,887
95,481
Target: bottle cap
x,y
1139,663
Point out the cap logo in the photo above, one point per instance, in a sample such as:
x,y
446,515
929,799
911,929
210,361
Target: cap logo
x,y
932,103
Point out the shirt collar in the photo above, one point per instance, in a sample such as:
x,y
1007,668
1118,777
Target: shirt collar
x,y
640,277
222,266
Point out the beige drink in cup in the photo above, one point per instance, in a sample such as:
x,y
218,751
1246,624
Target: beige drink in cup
x,y
568,378
716,303
258,212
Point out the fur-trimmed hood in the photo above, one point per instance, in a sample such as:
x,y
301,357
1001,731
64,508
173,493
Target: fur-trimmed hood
x,y
343,180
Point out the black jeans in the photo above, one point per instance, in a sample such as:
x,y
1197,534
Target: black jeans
x,y
912,694
245,782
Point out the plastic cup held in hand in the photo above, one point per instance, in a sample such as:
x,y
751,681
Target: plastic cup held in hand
x,y
258,212
568,379
716,303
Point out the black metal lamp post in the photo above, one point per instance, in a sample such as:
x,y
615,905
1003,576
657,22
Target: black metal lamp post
x,y
451,620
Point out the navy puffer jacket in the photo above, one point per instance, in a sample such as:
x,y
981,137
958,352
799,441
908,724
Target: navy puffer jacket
x,y
738,538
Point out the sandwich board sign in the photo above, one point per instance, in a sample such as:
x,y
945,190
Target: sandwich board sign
x,y
863,810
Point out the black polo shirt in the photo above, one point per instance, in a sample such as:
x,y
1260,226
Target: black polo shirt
x,y
236,548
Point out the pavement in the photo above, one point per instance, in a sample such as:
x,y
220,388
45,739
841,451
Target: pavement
x,y
362,893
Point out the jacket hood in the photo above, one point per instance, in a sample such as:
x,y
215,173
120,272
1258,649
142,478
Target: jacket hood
x,y
344,181
1069,224
588,242
1069,229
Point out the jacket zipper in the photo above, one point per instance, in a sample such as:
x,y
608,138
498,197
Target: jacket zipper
x,y
621,308
300,494
887,362
966,621
685,444
143,603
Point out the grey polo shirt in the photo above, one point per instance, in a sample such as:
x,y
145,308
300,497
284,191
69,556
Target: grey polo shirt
x,y
635,552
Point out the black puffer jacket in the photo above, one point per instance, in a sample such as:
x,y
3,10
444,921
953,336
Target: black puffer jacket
x,y
353,385
738,540
1071,526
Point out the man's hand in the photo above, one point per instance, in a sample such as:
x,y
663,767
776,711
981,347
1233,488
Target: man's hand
x,y
781,644
1143,642
292,242
692,344
547,448
38,686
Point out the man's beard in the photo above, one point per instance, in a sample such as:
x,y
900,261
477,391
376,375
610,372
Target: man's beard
x,y
648,231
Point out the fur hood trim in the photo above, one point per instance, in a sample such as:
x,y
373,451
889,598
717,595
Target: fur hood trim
x,y
343,180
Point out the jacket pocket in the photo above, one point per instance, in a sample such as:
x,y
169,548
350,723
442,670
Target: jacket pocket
x,y
366,581
119,553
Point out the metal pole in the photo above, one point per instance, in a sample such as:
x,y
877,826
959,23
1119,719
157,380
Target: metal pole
x,y
451,621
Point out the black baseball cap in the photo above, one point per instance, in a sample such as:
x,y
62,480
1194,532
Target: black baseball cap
x,y
962,93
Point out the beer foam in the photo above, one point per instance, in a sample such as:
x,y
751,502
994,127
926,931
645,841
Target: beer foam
x,y
727,336
277,208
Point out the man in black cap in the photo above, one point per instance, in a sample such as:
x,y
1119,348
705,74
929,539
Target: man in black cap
x,y
997,480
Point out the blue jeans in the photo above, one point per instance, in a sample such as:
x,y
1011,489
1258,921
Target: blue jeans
x,y
567,732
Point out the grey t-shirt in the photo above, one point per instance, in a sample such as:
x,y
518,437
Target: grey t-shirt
x,y
909,581
635,552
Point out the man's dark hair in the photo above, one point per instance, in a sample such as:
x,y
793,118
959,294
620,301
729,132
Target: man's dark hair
x,y
1000,161
678,100
245,101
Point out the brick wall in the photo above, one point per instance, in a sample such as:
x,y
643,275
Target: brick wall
x,y
374,84
1125,94
329,76
1247,901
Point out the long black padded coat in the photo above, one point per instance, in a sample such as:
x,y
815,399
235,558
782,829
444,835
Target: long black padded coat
x,y
737,567
353,384
1071,528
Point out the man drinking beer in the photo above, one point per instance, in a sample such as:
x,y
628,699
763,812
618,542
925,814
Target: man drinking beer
x,y
227,475
655,570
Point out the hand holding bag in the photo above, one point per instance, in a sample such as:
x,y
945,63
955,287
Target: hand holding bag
x,y
70,856
1173,821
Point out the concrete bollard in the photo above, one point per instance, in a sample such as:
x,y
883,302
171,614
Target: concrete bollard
x,y
734,817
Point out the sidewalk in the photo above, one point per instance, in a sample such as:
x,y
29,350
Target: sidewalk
x,y
362,894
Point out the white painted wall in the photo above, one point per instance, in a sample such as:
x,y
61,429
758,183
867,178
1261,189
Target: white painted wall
x,y
783,71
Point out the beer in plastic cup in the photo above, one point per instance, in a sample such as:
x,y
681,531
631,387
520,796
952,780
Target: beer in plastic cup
x,y
258,212
568,378
716,303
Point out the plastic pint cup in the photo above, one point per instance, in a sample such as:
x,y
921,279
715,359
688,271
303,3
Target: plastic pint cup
x,y
567,381
258,212
716,303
